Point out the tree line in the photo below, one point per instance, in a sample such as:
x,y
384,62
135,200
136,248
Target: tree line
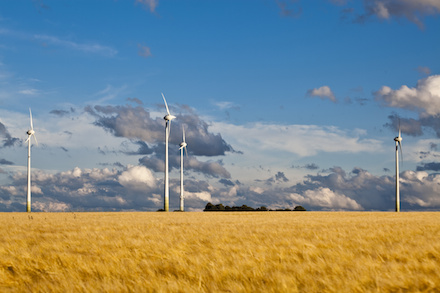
x,y
244,208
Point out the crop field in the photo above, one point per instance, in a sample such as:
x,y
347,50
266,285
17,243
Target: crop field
x,y
220,252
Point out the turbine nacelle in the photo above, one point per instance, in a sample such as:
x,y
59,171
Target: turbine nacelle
x,y
398,139
31,131
169,117
183,144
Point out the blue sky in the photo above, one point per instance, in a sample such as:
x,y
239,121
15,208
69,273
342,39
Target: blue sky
x,y
285,103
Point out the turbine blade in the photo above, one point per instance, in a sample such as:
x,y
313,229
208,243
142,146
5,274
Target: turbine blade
x,y
186,152
399,127
29,137
183,129
166,105
35,138
401,153
30,115
169,129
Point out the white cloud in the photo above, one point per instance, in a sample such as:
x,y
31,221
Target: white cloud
x,y
425,97
257,189
420,189
323,92
36,189
327,199
203,195
137,177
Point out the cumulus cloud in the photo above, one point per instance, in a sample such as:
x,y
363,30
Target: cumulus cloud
x,y
137,124
84,189
421,189
137,177
127,121
424,97
327,199
136,188
200,140
323,93
354,191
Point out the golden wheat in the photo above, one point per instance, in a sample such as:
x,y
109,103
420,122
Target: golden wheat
x,y
220,252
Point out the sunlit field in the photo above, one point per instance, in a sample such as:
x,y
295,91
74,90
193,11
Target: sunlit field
x,y
220,252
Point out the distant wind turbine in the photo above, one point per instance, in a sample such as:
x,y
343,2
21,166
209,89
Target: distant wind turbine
x,y
398,141
30,133
168,119
182,148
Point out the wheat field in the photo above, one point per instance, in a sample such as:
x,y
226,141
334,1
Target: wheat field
x,y
220,252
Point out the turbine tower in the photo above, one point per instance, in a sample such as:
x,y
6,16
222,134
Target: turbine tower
x,y
182,147
398,141
30,133
168,119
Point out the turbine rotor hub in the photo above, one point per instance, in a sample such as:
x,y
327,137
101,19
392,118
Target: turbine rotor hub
x,y
169,117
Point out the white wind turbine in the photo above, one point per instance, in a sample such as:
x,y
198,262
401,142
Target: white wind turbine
x,y
183,145
398,141
30,133
168,119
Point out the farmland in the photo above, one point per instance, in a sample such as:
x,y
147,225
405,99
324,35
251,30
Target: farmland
x,y
220,252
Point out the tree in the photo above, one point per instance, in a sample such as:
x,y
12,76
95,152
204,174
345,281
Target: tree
x,y
299,209
208,207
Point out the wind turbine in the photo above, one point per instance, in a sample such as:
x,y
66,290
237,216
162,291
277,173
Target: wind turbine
x,y
183,145
398,141
30,133
168,119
